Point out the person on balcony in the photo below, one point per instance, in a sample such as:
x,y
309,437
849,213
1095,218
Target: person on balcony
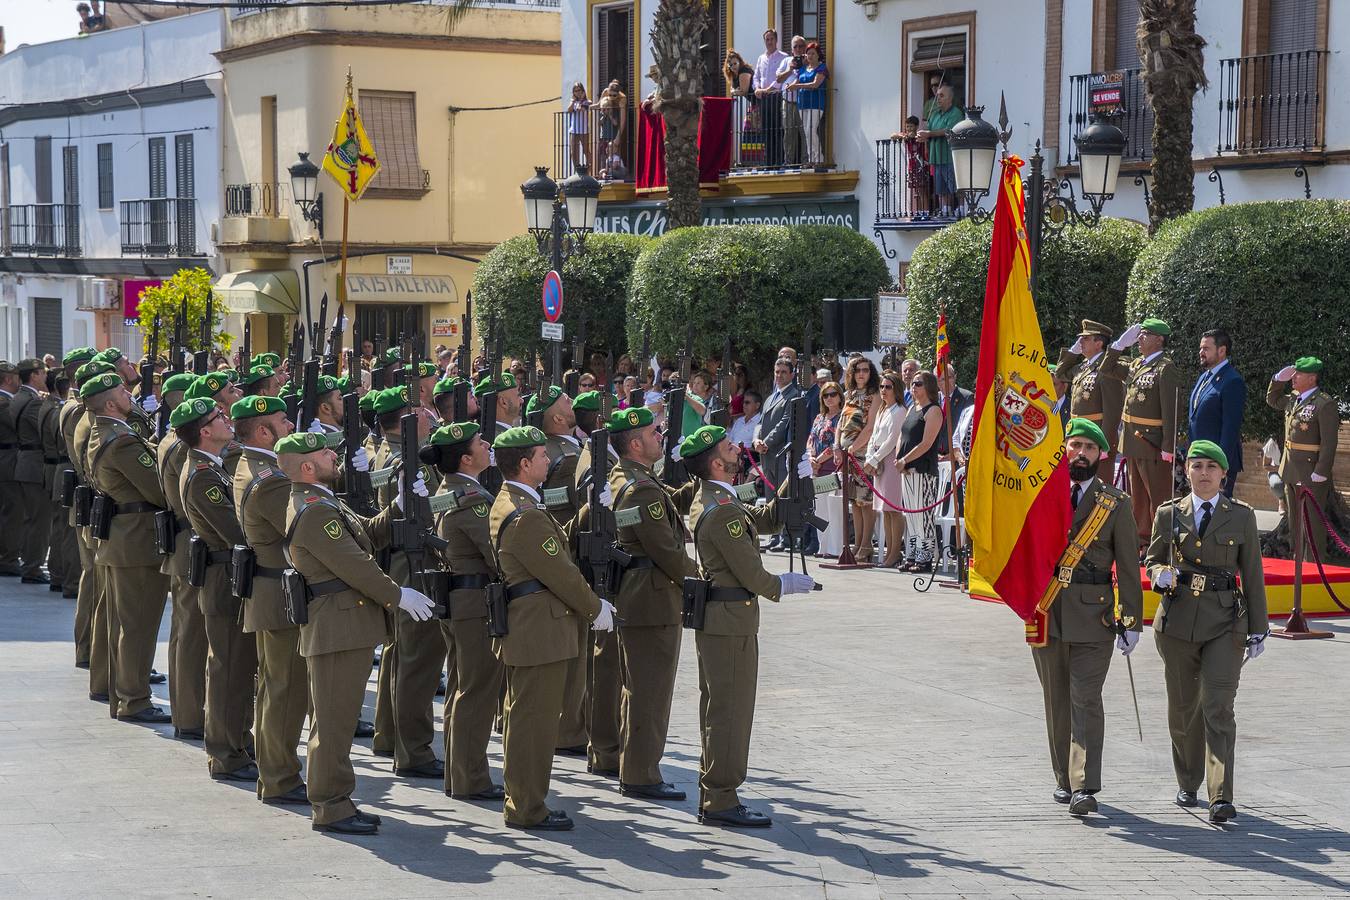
x,y
768,94
790,135
809,90
915,156
740,83
613,107
579,125
934,133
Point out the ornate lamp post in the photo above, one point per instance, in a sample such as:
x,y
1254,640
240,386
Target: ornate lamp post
x,y
305,191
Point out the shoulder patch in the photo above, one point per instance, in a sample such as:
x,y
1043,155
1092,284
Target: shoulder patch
x,y
215,494
550,546
723,501
311,500
146,460
736,528
656,510
481,510
333,529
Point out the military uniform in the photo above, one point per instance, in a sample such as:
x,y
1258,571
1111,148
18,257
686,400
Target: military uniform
x,y
1311,429
1148,430
30,473
11,493
560,498
76,426
605,688
1097,390
63,559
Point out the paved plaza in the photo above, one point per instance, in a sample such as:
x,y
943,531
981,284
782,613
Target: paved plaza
x,y
899,746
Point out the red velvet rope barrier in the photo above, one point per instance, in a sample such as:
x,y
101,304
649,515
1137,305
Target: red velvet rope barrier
x,y
900,509
1306,499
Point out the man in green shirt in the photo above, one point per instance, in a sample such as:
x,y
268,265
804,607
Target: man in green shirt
x,y
939,124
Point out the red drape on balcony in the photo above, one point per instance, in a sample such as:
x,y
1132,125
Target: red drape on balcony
x,y
714,145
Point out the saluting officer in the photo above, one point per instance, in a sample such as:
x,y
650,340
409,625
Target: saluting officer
x,y
726,541
546,592
351,599
1072,665
28,471
1311,429
1097,377
1148,427
1205,561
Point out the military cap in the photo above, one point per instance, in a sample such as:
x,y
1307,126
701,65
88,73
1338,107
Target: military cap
x,y
455,433
391,356
391,399
231,374
110,355
1091,328
1156,326
421,370
83,373
206,386
345,384
367,402
325,384
503,382
628,419
258,373
550,397
702,440
1088,429
447,385
99,383
179,381
519,437
252,407
300,442
266,359
190,411
1308,364
1208,450
7,367
29,365
78,355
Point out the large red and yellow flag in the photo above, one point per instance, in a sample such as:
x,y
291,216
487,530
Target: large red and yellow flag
x,y
944,347
351,158
1017,497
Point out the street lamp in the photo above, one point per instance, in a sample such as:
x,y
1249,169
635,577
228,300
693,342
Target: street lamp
x,y
1100,148
974,144
305,191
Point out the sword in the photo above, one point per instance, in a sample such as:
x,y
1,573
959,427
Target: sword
x,y
1135,697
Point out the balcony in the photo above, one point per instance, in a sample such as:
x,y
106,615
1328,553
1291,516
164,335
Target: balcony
x,y
256,199
770,136
600,138
1119,95
1272,103
905,196
159,226
43,229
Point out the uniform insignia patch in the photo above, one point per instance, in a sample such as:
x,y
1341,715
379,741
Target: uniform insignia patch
x,y
333,529
146,460
215,494
736,528
656,510
201,466
481,510
723,501
550,546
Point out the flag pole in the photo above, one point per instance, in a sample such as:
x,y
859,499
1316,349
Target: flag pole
x,y
346,207
951,459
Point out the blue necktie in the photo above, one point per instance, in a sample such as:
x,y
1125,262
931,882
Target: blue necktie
x,y
1200,385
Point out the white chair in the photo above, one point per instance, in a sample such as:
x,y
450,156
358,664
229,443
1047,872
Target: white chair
x,y
945,519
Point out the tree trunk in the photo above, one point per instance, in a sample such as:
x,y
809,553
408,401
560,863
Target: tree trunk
x,y
677,33
1171,59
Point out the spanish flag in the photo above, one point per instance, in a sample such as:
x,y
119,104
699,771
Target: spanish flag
x,y
1017,496
944,348
351,158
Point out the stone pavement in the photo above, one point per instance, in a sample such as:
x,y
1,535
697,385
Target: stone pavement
x,y
898,744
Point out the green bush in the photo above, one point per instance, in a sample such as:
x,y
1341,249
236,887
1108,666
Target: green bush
x,y
1274,275
1084,274
759,284
165,303
595,288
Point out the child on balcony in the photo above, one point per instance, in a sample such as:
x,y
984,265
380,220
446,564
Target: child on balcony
x,y
578,125
916,167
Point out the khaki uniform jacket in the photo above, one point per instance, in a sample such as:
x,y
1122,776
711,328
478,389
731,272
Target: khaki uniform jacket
x,y
208,501
652,596
9,438
262,516
1311,429
1098,391
465,527
1231,545
1084,613
141,422
1148,426
123,467
559,491
172,455
25,406
727,544
53,452
75,429
543,627
331,541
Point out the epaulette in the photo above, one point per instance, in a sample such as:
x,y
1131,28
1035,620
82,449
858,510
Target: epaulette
x,y
201,466
1114,491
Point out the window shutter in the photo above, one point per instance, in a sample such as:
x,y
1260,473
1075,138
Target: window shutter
x,y
391,123
788,26
1127,27
946,51
158,178
105,176
185,181
47,336
822,25
1293,26
602,72
70,174
42,169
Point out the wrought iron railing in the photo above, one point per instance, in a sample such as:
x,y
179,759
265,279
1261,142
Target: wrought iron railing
x,y
906,190
256,199
600,138
1120,95
779,132
1272,102
43,229
159,226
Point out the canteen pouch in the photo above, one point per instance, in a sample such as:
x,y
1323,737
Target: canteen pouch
x,y
496,607
243,566
436,585
69,481
101,516
694,612
296,592
166,532
198,555
84,502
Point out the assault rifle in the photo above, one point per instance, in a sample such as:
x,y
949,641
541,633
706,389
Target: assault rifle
x,y
201,360
597,544
413,532
295,360
148,364
464,354
795,510
673,471
572,377
491,478
176,363
330,359
246,351
719,413
359,493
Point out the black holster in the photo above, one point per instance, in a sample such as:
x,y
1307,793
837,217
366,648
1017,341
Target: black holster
x,y
496,609
436,585
296,592
84,503
69,481
166,532
243,566
198,556
694,612
100,516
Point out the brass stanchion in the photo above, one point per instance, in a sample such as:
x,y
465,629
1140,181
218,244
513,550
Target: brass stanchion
x,y
1296,628
846,558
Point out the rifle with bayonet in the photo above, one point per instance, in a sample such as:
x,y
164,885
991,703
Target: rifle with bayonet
x,y
491,478
147,372
201,360
294,363
246,351
330,358
464,353
796,509
572,378
359,493
597,544
673,472
719,412
414,531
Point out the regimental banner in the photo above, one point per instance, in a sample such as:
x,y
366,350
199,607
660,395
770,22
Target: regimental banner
x,y
649,218
351,158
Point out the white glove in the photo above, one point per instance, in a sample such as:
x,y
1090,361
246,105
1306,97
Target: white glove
x,y
315,427
606,495
804,467
419,488
149,403
1318,478
1285,374
795,583
1256,645
1167,578
492,457
675,453
604,621
1125,642
361,460
415,603
1077,348
1128,338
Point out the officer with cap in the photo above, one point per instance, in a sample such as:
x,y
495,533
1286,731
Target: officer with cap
x,y
1097,379
122,467
1072,666
232,662
1311,428
546,593
140,416
1205,562
261,381
443,396
11,493
221,389
1148,426
351,599
29,471
726,542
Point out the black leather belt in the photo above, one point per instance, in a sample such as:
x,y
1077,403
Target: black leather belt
x,y
53,460
533,586
1081,577
331,586
1199,583
730,595
216,557
473,581
264,572
140,506
30,446
639,562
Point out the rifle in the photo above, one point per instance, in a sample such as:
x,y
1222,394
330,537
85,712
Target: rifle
x,y
490,478
148,364
597,545
572,378
246,350
316,335
308,401
459,410
330,359
464,354
201,359
719,413
673,471
413,531
294,362
359,494
795,511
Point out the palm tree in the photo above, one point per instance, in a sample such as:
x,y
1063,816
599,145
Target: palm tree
x,y
677,34
1172,64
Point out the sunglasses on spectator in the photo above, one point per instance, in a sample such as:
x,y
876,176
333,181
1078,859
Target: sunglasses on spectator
x,y
830,394
916,383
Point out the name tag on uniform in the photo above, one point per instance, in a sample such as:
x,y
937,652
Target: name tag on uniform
x,y
627,518
746,492
555,497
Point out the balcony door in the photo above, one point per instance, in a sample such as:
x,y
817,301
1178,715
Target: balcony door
x,y
807,18
157,210
44,219
185,190
70,214
714,48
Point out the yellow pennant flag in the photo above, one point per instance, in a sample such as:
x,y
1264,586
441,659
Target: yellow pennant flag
x,y
351,158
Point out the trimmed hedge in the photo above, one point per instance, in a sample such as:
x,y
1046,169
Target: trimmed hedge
x,y
1275,275
595,283
1084,274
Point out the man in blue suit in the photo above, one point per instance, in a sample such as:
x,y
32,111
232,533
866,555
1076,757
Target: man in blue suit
x,y
1217,402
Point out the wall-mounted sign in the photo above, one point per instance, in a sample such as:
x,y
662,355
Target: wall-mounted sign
x,y
131,296
398,265
401,288
1105,92
649,217
443,327
892,319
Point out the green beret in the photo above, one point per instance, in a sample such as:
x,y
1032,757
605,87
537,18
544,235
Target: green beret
x,y
231,374
325,384
99,383
258,373
179,381
344,384
587,401
704,439
190,411
110,355
78,355
392,356
1088,429
447,385
1309,364
391,399
503,382
1208,450
90,369
628,419
421,370
367,402
206,386
300,442
267,359
550,397
1156,326
252,407
519,436
455,433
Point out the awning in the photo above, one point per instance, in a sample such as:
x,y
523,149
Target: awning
x,y
260,291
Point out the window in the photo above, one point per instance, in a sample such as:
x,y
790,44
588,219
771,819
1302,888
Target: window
x,y
105,176
614,48
1293,26
937,48
390,119
70,174
159,185
805,17
939,60
42,170
47,326
715,49
1126,49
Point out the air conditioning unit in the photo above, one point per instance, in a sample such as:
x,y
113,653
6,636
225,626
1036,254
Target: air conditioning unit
x,y
98,294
